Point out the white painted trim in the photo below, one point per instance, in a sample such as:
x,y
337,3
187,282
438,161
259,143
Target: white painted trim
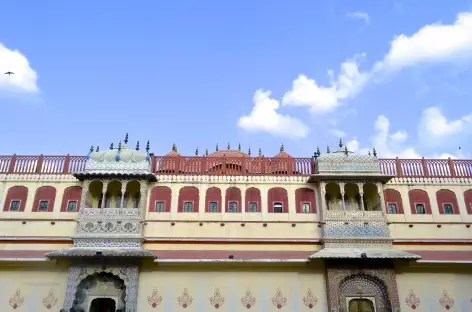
x,y
432,240
24,260
445,261
231,261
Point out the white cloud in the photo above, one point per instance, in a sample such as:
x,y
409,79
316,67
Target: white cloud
x,y
360,15
265,118
434,123
24,78
306,92
337,133
434,42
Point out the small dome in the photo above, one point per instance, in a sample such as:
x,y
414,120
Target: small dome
x,y
228,153
344,161
121,160
168,162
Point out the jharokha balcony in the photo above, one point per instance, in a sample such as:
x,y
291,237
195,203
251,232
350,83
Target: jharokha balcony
x,y
231,162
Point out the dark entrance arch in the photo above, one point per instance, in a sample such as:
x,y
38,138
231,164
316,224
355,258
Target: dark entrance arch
x,y
107,290
102,305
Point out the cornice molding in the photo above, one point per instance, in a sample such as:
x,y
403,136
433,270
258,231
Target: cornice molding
x,y
37,177
203,179
429,181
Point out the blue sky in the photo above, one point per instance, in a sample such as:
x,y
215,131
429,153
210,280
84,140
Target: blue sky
x,y
87,72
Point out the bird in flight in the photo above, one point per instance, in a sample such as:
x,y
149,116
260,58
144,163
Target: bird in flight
x,y
9,73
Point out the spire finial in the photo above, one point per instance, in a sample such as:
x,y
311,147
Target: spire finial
x,y
318,151
137,146
282,148
229,146
98,149
206,151
249,152
239,147
260,151
374,152
346,151
119,146
217,148
126,138
147,147
340,142
111,146
91,149
174,147
369,153
328,150
196,151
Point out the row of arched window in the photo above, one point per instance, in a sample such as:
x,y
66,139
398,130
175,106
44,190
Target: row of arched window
x,y
189,200
44,199
277,200
421,204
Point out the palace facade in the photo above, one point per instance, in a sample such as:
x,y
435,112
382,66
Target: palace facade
x,y
122,229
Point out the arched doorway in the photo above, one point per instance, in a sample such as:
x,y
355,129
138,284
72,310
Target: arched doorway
x,y
100,292
361,305
364,293
102,305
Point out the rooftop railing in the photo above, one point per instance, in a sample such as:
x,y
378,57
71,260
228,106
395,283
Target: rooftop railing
x,y
201,165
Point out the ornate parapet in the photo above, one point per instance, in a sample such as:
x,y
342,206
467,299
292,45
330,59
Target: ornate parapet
x,y
348,215
109,227
356,228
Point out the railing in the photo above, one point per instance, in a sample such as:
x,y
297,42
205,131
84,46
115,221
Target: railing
x,y
200,165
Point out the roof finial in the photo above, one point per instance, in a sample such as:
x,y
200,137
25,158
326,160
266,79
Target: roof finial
x,y
174,147
91,149
345,150
249,152
137,146
340,142
126,138
111,146
239,147
147,147
196,151
374,152
206,151
318,151
369,153
217,148
260,151
282,148
98,149
328,150
229,146
119,146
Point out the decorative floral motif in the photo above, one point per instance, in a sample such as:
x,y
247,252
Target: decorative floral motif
x,y
445,301
185,300
16,300
412,300
310,300
248,300
50,300
279,300
217,299
154,299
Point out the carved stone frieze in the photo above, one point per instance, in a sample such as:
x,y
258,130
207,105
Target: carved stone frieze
x,y
107,242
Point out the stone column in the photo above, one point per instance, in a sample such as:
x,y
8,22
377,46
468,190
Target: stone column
x,y
143,186
124,183
360,185
324,205
341,187
83,196
381,197
104,192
